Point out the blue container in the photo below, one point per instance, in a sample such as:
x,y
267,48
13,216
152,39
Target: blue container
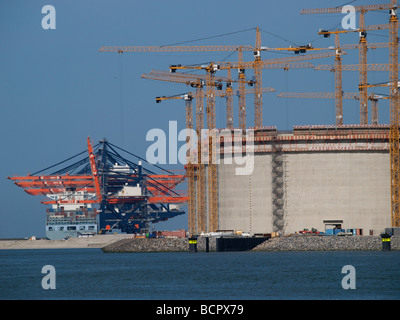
x,y
336,231
329,231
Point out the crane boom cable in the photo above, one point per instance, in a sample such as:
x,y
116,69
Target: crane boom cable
x,y
140,158
35,173
210,37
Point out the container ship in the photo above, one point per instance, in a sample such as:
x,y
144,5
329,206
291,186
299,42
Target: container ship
x,y
105,192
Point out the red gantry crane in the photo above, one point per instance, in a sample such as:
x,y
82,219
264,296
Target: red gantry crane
x,y
129,196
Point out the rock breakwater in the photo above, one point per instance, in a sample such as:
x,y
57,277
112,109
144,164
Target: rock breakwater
x,y
148,245
324,243
284,243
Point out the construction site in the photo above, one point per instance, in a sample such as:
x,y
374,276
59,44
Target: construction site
x,y
326,178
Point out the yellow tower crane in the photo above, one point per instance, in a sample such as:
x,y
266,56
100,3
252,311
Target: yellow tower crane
x,y
362,47
211,69
195,167
258,65
199,107
394,115
353,67
338,77
228,94
394,95
283,63
280,63
332,95
199,81
196,222
190,165
338,68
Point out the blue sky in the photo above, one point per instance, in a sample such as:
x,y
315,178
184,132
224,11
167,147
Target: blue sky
x,y
56,89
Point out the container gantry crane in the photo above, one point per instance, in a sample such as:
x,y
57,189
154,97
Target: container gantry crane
x,y
129,195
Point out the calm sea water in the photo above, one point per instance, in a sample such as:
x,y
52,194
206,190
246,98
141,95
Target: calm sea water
x,y
92,274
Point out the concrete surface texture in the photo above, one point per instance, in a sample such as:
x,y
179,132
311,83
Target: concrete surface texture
x,y
348,186
245,201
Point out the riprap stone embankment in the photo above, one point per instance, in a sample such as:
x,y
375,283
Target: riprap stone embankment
x,y
148,245
326,243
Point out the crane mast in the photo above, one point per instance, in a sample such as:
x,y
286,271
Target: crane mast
x,y
338,83
394,116
242,95
189,164
229,102
329,95
258,102
201,180
212,166
363,78
198,82
198,206
363,71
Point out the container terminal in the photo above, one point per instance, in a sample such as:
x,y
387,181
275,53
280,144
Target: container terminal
x,y
99,191
335,178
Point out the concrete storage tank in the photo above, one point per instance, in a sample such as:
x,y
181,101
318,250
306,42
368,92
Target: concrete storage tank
x,y
318,177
